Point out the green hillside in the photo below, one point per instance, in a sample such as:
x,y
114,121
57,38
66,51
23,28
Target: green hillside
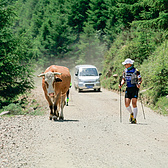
x,y
99,32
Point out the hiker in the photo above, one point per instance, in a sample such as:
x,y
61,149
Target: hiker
x,y
68,94
132,78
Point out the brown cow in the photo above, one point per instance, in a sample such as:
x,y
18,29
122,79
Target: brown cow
x,y
55,83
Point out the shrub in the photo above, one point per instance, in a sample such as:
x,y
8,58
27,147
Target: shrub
x,y
14,109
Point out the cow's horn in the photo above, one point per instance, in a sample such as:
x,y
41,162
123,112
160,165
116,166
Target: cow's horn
x,y
57,73
41,75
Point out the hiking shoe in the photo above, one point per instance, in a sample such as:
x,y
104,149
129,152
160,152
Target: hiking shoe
x,y
133,121
131,117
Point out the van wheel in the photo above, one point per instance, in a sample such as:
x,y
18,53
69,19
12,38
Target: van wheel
x,y
98,90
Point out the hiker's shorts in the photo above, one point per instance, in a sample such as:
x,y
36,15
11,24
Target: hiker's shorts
x,y
131,92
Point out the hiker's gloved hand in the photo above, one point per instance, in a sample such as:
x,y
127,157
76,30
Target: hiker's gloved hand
x,y
138,85
120,86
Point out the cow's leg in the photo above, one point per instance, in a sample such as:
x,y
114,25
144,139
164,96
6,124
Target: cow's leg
x,y
51,112
56,107
50,106
55,114
61,117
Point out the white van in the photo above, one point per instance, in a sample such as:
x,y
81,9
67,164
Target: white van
x,y
86,77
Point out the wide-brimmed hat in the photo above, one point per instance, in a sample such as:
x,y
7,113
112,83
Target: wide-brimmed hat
x,y
128,61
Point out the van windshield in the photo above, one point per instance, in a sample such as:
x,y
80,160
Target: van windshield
x,y
88,72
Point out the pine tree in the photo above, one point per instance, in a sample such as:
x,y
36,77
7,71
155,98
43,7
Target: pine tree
x,y
98,14
15,58
77,14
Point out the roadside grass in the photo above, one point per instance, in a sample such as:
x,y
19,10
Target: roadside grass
x,y
162,106
26,107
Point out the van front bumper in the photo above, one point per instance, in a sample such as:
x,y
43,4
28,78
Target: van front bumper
x,y
82,85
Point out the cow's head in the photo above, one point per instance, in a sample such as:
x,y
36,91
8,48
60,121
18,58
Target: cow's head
x,y
50,79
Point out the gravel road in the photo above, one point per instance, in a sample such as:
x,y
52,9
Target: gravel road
x,y
91,136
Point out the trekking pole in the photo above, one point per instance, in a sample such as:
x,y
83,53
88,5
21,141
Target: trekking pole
x,y
142,105
120,99
120,107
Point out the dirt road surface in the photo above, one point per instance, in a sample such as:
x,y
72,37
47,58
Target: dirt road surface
x,y
91,136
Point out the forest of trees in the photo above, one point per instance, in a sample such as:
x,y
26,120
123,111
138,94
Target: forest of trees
x,y
99,32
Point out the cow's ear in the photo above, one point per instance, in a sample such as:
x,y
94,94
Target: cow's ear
x,y
58,80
